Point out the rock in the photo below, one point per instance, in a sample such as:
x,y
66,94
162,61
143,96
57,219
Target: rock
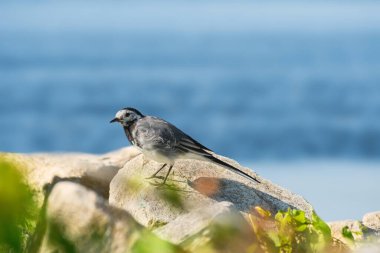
x,y
364,238
188,224
197,229
193,185
353,225
368,248
372,220
78,220
93,171
201,209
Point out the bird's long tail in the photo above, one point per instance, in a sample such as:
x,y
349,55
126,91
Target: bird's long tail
x,y
231,168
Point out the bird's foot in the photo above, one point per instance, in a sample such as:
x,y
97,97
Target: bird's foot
x,y
154,176
158,184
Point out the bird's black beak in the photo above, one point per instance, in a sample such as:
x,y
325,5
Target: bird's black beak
x,y
115,120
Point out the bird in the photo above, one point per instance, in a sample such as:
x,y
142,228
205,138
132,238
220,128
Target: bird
x,y
164,143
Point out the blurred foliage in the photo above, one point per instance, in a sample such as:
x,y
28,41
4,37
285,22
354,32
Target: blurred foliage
x,y
148,243
218,238
154,224
18,209
290,231
171,194
348,235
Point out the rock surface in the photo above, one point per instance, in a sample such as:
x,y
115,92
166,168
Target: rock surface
x,y
196,230
353,225
96,172
78,220
372,220
366,238
194,185
189,224
186,225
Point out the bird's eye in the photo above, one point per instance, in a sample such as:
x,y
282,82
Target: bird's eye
x,y
127,114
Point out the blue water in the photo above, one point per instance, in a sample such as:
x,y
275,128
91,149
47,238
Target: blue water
x,y
258,82
249,93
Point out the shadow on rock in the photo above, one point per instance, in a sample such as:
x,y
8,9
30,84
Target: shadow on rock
x,y
36,240
86,181
241,195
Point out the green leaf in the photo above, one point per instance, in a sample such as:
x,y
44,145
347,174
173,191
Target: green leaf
x,y
347,233
279,216
301,228
299,216
262,212
275,238
321,226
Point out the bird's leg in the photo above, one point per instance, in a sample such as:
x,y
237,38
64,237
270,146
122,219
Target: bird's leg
x,y
166,177
155,173
167,174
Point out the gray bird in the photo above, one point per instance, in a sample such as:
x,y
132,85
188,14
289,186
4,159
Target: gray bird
x,y
164,143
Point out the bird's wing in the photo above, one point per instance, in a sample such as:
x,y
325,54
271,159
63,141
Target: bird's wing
x,y
187,141
191,146
187,144
154,133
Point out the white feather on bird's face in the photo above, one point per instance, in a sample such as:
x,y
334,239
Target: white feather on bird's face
x,y
120,114
127,116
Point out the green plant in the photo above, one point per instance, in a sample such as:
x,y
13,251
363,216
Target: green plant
x,y
147,242
18,211
348,235
290,231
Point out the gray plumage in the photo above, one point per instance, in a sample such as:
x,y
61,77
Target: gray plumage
x,y
163,142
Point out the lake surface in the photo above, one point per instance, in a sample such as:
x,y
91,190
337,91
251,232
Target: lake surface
x,y
264,83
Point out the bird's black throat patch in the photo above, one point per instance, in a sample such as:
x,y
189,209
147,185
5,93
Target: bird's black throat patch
x,y
127,130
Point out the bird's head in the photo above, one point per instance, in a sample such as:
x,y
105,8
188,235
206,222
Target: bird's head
x,y
127,116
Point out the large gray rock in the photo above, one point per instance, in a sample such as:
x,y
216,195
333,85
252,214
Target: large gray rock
x,y
193,185
94,171
78,220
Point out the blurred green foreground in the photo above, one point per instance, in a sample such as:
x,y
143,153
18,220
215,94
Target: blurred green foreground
x,y
18,210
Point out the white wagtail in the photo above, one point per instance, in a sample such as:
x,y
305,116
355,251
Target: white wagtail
x,y
164,143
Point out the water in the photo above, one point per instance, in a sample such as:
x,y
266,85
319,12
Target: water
x,y
257,82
